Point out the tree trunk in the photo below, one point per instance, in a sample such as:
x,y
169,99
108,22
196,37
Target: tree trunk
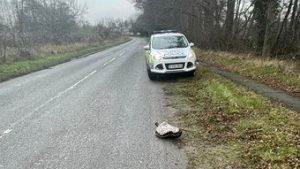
x,y
284,22
270,15
295,34
259,15
229,19
237,18
292,24
247,27
208,24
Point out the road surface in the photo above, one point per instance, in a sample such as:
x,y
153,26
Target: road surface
x,y
96,112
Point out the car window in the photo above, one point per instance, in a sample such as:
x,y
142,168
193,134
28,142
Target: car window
x,y
168,42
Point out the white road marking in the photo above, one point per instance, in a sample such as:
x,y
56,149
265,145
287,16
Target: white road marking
x,y
80,81
108,62
46,103
122,53
7,131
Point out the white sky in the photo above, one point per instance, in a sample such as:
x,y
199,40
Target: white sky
x,y
102,9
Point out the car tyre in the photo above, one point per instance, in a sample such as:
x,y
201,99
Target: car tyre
x,y
191,74
151,76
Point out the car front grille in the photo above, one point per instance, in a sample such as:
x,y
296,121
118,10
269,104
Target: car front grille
x,y
174,57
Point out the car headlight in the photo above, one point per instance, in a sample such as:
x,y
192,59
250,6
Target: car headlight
x,y
192,55
157,56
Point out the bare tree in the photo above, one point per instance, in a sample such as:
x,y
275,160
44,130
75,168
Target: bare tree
x,y
28,24
226,24
229,20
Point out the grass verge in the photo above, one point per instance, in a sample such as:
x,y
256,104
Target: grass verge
x,y
281,74
228,126
15,69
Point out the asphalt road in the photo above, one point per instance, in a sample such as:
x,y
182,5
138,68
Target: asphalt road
x,y
96,112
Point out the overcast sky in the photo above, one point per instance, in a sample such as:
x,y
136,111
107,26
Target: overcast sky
x,y
99,9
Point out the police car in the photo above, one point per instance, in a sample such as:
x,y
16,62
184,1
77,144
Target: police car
x,y
169,52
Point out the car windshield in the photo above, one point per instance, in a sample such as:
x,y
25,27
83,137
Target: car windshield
x,y
168,42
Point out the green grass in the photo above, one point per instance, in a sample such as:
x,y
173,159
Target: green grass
x,y
19,68
282,74
228,125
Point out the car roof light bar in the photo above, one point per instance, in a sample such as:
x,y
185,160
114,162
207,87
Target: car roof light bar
x,y
164,31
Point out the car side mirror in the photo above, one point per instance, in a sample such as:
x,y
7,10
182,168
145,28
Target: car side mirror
x,y
147,47
192,44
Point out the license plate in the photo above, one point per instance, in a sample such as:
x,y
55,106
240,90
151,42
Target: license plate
x,y
175,66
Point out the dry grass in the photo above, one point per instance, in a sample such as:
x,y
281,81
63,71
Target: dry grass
x,y
288,66
284,74
45,60
55,49
48,49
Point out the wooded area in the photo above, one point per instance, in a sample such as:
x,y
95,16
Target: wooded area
x,y
267,27
26,25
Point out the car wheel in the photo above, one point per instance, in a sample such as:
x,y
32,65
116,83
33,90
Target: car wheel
x,y
191,74
151,76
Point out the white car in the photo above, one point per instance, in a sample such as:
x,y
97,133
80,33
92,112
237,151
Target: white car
x,y
169,52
